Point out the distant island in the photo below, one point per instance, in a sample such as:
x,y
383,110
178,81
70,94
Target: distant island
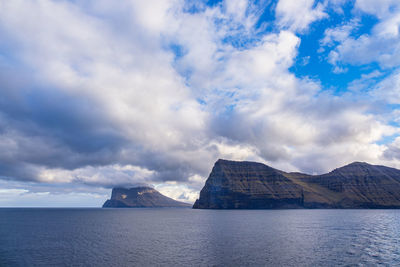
x,y
140,197
251,185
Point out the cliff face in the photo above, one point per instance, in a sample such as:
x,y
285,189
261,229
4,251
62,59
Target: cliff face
x,y
362,185
239,185
140,197
251,185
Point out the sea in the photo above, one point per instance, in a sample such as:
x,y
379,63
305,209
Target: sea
x,y
187,237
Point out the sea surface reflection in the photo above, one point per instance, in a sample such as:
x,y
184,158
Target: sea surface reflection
x,y
182,237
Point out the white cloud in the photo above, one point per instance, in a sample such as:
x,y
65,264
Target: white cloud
x,y
388,89
381,45
380,8
15,197
236,8
393,150
340,33
298,15
109,175
336,5
366,81
179,192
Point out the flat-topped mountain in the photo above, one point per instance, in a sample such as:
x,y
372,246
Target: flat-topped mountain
x,y
251,185
140,197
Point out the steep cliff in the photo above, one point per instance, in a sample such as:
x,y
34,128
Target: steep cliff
x,y
140,197
251,185
361,185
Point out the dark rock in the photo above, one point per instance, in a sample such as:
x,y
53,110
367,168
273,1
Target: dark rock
x,y
140,197
251,185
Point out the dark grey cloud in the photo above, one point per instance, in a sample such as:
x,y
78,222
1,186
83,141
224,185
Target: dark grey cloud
x,y
49,128
54,129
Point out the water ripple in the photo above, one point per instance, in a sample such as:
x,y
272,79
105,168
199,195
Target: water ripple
x,y
182,237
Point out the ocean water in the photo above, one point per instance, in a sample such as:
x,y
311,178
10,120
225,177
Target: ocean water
x,y
184,237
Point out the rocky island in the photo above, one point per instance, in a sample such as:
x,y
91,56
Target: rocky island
x,y
251,185
140,197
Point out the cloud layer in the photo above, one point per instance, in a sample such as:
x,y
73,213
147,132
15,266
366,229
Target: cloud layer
x,y
104,93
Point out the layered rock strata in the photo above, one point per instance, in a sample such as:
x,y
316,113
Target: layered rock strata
x,y
251,185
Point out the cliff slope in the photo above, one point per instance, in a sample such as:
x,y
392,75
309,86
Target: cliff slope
x,y
251,185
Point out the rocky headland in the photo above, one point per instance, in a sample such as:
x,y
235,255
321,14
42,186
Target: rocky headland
x,y
140,197
251,185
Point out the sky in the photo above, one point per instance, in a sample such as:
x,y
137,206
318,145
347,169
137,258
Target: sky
x,y
102,93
